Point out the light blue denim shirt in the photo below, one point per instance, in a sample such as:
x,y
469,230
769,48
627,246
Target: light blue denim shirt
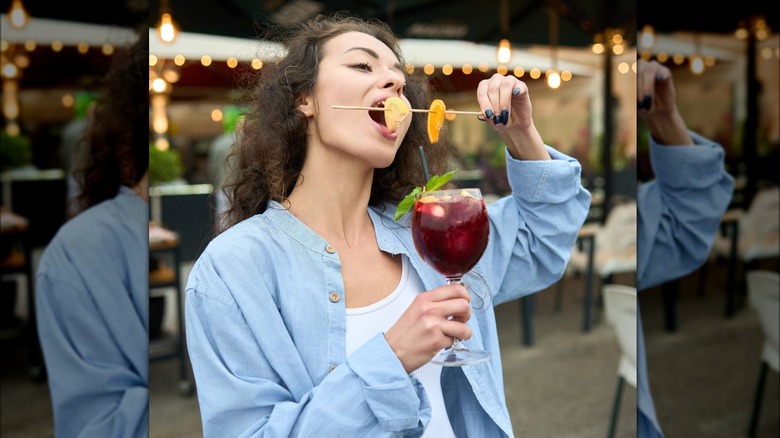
x,y
678,215
266,321
92,307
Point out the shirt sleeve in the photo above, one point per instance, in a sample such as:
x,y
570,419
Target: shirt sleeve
x,y
533,231
262,388
680,211
96,390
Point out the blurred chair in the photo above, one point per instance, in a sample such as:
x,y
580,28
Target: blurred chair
x,y
764,295
620,309
747,237
758,235
614,251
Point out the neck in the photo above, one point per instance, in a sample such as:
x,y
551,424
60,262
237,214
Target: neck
x,y
331,198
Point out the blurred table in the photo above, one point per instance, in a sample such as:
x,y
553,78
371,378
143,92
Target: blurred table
x,y
38,195
730,224
587,236
16,260
164,247
187,210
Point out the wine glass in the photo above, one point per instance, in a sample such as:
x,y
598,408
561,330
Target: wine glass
x,y
450,231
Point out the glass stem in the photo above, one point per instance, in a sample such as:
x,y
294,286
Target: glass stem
x,y
457,344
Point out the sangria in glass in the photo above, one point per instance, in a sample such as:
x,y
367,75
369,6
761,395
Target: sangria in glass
x,y
450,230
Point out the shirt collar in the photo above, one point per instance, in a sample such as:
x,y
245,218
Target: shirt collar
x,y
385,229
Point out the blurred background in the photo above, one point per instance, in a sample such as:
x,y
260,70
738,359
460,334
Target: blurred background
x,y
706,338
560,353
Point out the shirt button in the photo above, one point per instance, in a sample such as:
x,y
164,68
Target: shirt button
x,y
334,297
331,368
330,249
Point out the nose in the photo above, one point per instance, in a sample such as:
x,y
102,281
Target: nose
x,y
394,80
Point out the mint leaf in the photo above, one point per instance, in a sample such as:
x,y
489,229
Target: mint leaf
x,y
406,204
434,183
437,181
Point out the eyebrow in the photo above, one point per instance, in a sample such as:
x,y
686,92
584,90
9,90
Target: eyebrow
x,y
374,55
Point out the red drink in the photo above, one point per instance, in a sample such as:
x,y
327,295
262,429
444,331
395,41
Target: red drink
x,y
450,230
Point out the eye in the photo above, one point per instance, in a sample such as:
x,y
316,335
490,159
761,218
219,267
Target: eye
x,y
362,66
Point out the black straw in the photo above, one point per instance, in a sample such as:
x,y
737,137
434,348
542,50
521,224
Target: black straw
x,y
424,164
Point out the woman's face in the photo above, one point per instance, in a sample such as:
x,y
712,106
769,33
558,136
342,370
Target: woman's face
x,y
358,70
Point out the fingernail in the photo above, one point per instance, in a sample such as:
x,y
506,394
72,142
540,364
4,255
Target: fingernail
x,y
516,91
504,116
639,105
481,118
496,120
489,113
647,101
660,77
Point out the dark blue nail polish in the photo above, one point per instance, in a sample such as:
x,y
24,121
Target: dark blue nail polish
x,y
489,113
639,105
496,120
516,91
647,102
504,116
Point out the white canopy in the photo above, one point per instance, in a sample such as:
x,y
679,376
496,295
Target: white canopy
x,y
417,51
46,31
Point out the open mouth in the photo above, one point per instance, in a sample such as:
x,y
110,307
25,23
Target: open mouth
x,y
378,116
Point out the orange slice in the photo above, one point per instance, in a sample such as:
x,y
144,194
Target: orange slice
x,y
435,119
395,111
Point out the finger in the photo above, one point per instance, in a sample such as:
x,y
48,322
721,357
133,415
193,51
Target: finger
x,y
494,89
457,309
448,292
646,86
484,101
505,94
456,329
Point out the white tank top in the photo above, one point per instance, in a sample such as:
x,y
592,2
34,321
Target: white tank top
x,y
363,323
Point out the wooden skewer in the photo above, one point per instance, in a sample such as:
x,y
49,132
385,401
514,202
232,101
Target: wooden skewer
x,y
411,110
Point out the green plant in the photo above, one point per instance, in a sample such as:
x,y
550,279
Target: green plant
x,y
15,151
164,166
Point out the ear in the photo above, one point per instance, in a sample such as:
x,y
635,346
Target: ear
x,y
305,104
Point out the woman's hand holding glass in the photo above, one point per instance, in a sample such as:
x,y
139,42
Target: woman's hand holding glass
x,y
425,328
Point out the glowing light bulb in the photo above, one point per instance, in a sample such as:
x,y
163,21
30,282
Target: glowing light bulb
x,y
17,15
167,29
697,64
504,52
553,78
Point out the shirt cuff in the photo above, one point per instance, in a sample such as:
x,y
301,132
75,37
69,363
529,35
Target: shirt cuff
x,y
398,401
691,167
544,181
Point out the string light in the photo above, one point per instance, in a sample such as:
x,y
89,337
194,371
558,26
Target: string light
x,y
647,38
504,50
17,15
167,29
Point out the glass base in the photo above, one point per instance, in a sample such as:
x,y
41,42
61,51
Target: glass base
x,y
458,355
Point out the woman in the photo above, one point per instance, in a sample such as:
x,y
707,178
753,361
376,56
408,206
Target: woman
x,y
679,211
273,304
92,284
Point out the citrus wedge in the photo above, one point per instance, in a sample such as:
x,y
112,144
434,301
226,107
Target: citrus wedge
x,y
435,119
395,111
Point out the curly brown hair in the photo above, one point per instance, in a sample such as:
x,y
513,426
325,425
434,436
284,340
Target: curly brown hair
x,y
271,144
118,134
